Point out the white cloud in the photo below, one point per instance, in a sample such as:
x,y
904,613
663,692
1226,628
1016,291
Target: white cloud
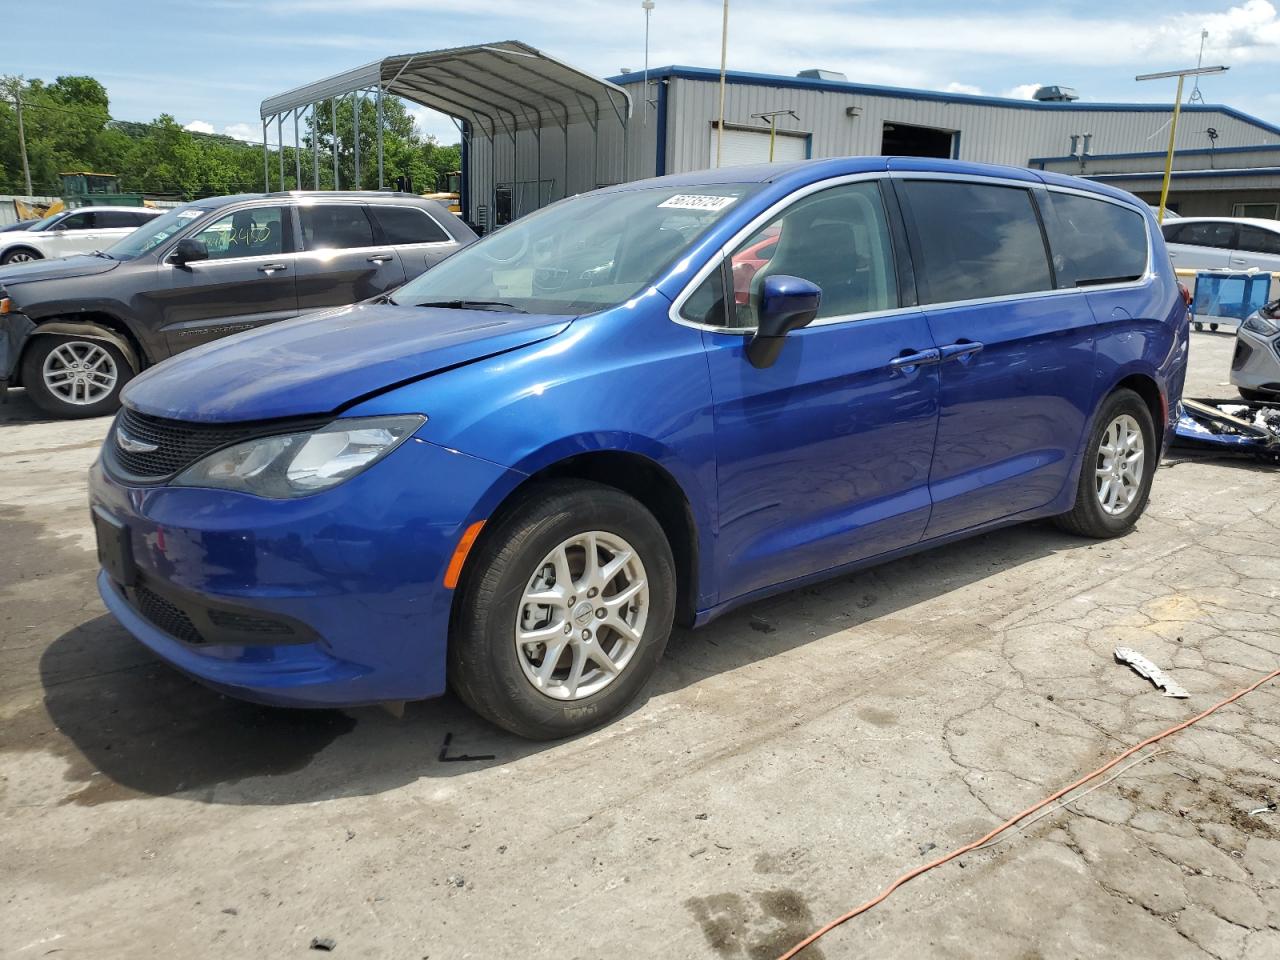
x,y
199,126
954,87
1250,31
243,131
432,123
1023,91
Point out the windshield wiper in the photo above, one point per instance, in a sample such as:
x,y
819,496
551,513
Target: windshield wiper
x,y
472,305
384,298
104,256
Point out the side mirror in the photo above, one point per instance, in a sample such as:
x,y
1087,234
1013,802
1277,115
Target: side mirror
x,y
188,250
786,304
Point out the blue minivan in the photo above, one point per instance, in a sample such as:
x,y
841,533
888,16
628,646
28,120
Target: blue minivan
x,y
640,406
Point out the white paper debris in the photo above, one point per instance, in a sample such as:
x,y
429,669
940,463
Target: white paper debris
x,y
1234,409
1145,668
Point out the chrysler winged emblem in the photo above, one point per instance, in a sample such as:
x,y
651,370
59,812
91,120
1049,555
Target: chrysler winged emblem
x,y
131,445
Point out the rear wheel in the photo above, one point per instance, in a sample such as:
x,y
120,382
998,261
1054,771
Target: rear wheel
x,y
74,378
1119,463
20,255
565,609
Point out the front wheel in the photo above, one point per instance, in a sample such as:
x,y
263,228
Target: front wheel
x,y
72,378
564,611
1119,464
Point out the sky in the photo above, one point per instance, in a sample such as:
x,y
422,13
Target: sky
x,y
210,62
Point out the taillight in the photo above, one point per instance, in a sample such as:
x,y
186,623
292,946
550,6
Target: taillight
x,y
1186,293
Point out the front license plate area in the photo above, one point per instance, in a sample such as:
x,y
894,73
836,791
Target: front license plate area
x,y
115,553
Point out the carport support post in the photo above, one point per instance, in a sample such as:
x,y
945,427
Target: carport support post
x,y
297,152
333,115
379,136
266,160
315,145
355,133
280,145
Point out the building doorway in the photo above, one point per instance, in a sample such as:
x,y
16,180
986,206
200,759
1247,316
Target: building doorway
x,y
906,140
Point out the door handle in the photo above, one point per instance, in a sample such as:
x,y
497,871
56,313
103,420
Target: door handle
x,y
1239,260
380,258
961,351
907,362
272,267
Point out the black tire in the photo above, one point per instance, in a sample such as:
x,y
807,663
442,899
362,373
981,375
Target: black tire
x,y
14,252
1087,518
49,401
484,667
1259,396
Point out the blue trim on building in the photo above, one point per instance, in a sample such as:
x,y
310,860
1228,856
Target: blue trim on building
x,y
1201,151
1188,174
660,133
840,86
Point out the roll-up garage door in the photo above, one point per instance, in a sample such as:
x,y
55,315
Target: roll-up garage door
x,y
752,146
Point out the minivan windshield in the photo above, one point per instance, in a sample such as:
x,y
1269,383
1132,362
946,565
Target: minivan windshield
x,y
577,256
155,232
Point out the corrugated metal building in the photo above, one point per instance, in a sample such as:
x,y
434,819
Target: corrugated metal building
x,y
672,129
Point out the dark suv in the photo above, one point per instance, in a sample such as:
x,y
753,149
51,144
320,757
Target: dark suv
x,y
73,331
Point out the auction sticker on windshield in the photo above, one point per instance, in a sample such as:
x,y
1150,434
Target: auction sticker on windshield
x,y
693,201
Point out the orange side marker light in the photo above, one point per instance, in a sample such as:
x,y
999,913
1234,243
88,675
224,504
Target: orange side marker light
x,y
460,552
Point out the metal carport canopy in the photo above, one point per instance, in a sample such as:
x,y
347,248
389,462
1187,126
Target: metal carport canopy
x,y
497,87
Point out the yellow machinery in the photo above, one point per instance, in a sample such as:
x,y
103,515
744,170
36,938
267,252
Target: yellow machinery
x,y
448,191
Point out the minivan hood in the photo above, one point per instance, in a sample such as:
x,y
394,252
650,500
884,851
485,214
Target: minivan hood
x,y
61,268
320,362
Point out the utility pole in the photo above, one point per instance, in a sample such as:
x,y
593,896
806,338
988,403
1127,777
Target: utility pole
x,y
16,82
724,51
1173,126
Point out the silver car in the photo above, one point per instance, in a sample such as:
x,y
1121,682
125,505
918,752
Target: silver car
x,y
1255,367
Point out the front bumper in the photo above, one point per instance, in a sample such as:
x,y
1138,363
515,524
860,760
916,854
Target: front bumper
x,y
355,573
15,328
1255,364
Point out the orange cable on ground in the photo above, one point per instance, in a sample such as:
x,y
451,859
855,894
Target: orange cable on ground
x,y
960,851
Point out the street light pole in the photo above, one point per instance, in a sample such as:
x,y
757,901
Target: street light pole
x,y
648,9
772,116
1173,126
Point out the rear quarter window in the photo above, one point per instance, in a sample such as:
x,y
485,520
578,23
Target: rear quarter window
x,y
1094,241
972,241
406,225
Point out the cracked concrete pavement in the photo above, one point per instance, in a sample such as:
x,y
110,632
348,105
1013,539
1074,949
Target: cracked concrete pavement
x,y
785,764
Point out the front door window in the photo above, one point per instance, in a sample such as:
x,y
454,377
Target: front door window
x,y
245,233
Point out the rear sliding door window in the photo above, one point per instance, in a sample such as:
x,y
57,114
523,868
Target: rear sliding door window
x,y
973,241
1094,241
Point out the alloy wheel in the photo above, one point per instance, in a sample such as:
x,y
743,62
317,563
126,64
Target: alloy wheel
x,y
1118,468
80,373
582,615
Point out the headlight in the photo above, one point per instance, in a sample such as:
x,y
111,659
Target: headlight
x,y
297,464
1260,325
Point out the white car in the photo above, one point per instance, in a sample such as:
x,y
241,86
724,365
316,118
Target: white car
x,y
1223,243
82,230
